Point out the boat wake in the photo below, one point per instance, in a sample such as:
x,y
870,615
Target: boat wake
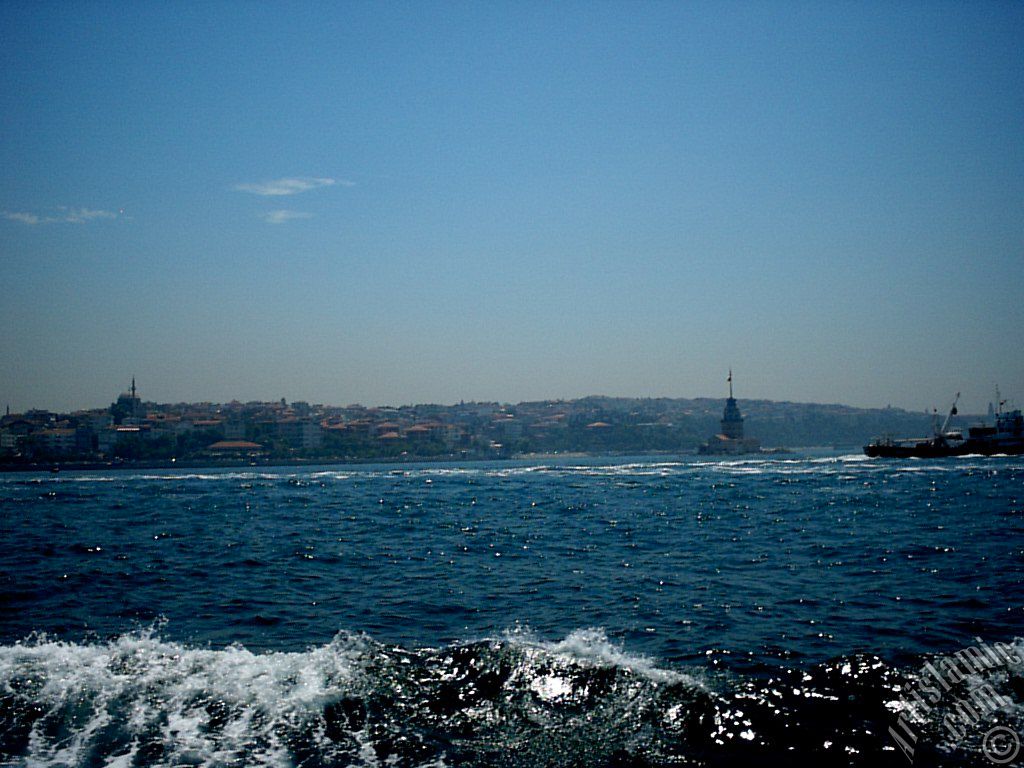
x,y
138,700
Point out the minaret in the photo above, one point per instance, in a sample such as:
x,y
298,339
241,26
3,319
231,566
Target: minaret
x,y
732,419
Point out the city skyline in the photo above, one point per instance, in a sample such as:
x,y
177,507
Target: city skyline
x,y
133,429
427,203
998,401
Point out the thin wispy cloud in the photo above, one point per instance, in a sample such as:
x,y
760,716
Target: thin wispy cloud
x,y
82,215
290,186
65,216
25,218
284,216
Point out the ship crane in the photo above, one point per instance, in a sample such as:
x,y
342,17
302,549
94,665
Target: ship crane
x,y
950,415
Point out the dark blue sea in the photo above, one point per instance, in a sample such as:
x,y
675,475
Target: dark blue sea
x,y
778,610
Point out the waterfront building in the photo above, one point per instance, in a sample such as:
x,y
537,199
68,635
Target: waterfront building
x,y
237,449
731,439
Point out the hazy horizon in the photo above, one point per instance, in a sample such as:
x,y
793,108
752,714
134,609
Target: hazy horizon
x,y
426,203
942,407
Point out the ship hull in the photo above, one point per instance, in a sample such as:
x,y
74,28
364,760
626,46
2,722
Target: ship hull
x,y
1005,438
915,451
931,450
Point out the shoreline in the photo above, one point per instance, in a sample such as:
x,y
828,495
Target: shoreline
x,y
84,466
73,466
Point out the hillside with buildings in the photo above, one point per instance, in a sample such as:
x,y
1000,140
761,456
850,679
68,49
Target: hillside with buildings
x,y
134,430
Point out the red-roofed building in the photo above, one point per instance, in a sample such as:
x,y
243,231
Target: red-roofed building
x,y
235,448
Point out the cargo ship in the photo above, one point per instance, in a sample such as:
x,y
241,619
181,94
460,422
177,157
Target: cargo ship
x,y
1005,437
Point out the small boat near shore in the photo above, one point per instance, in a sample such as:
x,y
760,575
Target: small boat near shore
x,y
1005,437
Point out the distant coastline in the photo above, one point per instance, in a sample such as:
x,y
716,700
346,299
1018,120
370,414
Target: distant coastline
x,y
139,434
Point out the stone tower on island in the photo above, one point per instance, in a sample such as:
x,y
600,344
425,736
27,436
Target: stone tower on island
x,y
731,440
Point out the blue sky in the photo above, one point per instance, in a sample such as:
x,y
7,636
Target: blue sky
x,y
427,202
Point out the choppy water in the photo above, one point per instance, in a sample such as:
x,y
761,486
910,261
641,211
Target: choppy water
x,y
606,613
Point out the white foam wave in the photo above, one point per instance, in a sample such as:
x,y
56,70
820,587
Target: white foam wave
x,y
656,467
122,702
159,689
591,647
